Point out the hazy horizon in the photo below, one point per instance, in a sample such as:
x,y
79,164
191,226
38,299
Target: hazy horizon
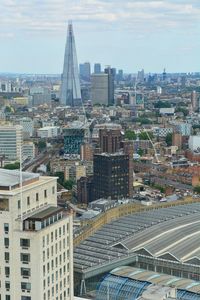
x,y
128,35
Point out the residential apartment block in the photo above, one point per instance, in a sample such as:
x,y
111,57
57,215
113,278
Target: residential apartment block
x,y
35,239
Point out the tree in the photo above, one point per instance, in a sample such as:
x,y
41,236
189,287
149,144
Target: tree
x,y
168,139
144,136
14,166
68,184
42,145
162,104
145,121
197,189
130,135
140,152
182,110
60,176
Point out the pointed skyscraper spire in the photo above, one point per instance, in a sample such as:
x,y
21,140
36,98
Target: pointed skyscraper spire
x,y
70,86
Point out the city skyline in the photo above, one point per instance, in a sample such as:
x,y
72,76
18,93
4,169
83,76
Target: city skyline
x,y
130,35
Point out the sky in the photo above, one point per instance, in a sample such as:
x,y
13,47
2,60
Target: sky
x,y
129,35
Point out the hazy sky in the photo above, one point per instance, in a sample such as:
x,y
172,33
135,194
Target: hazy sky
x,y
131,35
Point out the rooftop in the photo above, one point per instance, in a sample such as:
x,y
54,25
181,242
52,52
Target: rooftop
x,y
174,230
133,282
10,179
46,213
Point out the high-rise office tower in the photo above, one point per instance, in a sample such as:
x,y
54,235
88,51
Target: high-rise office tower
x,y
70,87
99,89
164,75
97,68
120,75
36,239
102,89
140,76
85,71
111,77
111,175
11,140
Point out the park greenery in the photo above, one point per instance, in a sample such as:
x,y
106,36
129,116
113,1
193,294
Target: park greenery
x,y
67,184
13,166
131,135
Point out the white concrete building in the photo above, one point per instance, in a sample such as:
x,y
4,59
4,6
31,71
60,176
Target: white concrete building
x,y
27,124
28,150
35,240
11,139
48,132
194,143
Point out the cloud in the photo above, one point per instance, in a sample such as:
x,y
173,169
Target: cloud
x,y
139,16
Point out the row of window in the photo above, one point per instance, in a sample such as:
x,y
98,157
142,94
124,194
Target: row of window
x,y
58,261
51,281
54,249
54,235
36,197
63,296
24,243
62,270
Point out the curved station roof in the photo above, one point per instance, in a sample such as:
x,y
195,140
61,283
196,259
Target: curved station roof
x,y
169,233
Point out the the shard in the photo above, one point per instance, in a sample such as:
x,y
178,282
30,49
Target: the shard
x,y
70,86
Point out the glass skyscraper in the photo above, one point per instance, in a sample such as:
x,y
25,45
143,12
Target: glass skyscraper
x,y
70,86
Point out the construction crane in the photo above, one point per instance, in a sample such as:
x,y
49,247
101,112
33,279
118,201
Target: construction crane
x,y
153,145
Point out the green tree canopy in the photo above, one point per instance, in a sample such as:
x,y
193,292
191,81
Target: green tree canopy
x,y
144,136
168,139
60,176
197,189
130,135
42,145
68,184
162,104
14,166
140,152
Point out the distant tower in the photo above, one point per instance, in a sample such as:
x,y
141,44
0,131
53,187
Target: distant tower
x,y
97,68
70,87
164,75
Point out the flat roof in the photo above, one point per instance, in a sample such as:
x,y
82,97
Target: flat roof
x,y
46,213
11,178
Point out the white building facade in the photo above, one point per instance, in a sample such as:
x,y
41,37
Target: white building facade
x,y
11,139
48,132
35,240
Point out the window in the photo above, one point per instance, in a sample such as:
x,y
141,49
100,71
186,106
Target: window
x,y
25,258
25,286
7,285
6,242
19,204
6,227
7,271
25,298
25,243
37,197
7,297
45,193
28,200
7,256
53,190
25,272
